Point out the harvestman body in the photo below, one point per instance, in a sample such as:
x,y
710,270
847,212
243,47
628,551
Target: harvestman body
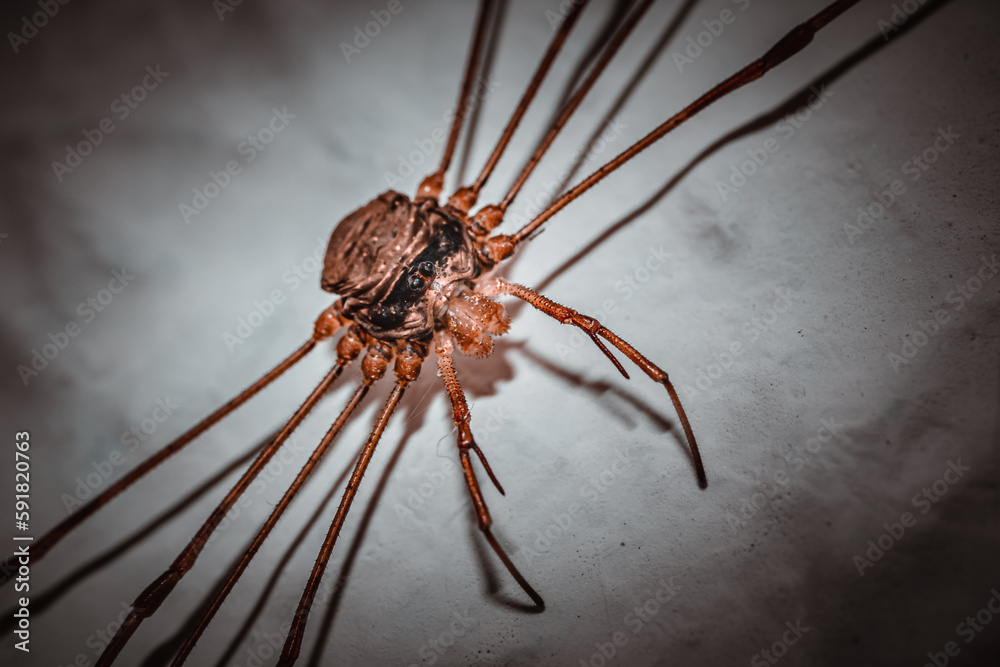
x,y
414,275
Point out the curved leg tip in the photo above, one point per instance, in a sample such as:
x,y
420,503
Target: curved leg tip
x,y
525,586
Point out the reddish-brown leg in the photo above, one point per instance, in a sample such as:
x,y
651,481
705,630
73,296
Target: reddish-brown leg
x,y
432,185
466,442
596,331
348,349
408,363
465,198
149,600
325,325
502,246
491,215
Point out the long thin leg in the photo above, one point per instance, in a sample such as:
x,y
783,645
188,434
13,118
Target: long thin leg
x,y
491,216
502,246
326,324
596,331
407,369
347,349
494,33
63,528
150,599
433,184
465,198
466,442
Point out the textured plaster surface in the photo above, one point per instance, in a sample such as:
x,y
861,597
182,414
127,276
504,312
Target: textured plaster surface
x,y
602,507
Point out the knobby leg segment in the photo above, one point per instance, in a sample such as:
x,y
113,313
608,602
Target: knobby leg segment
x,y
433,184
293,643
498,248
465,198
326,324
347,350
490,216
50,539
407,369
594,329
465,443
150,599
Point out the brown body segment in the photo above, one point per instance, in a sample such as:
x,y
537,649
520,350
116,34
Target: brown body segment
x,y
396,262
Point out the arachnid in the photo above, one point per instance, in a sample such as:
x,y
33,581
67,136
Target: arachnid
x,y
415,277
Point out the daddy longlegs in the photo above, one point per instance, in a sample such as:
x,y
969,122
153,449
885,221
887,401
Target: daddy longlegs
x,y
501,247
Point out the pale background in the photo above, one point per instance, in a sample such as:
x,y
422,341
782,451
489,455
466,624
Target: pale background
x,y
549,421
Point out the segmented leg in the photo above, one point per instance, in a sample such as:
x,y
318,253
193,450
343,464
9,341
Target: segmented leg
x,y
328,322
407,369
50,539
494,33
433,184
348,349
492,215
498,248
596,331
466,442
465,198
150,599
